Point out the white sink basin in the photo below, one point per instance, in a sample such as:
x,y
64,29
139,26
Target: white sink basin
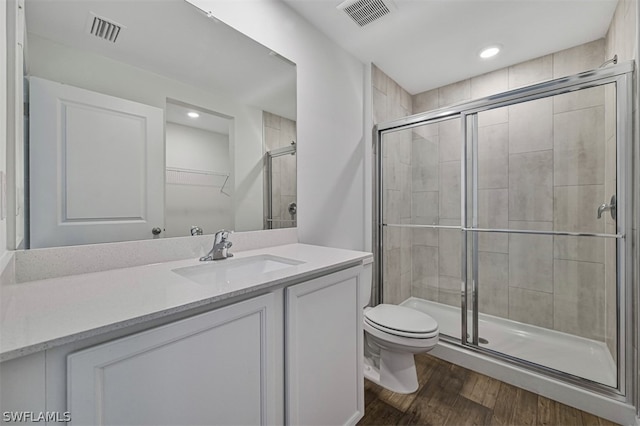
x,y
233,270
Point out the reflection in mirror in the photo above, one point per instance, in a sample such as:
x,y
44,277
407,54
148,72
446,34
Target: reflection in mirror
x,y
198,167
280,172
111,158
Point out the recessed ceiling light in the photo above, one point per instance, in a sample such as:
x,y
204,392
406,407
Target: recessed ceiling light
x,y
193,114
489,52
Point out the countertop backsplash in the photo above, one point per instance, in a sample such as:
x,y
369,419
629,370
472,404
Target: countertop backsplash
x,y
38,264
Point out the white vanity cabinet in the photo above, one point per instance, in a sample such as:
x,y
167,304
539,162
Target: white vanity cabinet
x,y
324,353
290,354
220,367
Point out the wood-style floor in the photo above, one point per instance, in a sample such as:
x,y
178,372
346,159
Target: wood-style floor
x,y
452,395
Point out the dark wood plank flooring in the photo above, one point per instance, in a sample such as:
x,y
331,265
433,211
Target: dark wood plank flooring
x,y
452,395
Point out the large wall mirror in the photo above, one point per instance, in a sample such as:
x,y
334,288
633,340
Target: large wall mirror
x,y
152,119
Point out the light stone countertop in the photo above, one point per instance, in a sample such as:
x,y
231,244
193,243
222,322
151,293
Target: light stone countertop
x,y
42,314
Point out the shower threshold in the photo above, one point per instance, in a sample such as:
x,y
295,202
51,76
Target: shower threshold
x,y
564,352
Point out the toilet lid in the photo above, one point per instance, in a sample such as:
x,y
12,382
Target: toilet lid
x,y
400,318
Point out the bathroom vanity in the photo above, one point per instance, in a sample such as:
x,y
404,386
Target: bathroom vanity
x,y
270,336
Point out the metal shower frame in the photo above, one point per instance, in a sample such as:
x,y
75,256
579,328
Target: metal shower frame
x,y
622,76
268,158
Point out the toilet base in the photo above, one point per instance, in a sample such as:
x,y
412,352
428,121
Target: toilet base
x,y
397,372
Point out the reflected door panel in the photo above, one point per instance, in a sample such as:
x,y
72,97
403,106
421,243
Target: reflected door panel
x,y
96,172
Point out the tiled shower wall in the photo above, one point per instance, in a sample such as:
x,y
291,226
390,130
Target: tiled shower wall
x,y
527,180
390,101
280,132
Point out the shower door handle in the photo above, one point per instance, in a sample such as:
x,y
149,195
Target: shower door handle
x,y
611,207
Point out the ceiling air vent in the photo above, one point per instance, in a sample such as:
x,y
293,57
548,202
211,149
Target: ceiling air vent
x,y
103,28
364,12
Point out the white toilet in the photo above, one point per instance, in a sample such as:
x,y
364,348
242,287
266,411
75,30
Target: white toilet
x,y
393,334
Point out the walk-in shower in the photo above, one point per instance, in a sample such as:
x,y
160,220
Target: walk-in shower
x,y
279,172
280,193
496,217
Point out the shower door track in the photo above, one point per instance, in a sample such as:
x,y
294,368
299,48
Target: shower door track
x,y
620,75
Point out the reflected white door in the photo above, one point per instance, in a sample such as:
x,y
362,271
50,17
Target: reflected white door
x,y
96,167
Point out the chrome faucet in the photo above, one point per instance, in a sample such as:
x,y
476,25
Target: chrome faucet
x,y
220,248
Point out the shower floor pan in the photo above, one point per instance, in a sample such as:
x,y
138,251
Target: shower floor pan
x,y
564,352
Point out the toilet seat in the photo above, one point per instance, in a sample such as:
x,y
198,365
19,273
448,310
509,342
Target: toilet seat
x,y
401,321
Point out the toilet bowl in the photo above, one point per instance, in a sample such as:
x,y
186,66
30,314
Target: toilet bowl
x,y
393,334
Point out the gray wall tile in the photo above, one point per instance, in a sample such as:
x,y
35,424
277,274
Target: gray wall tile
x,y
450,140
426,293
575,208
425,237
530,186
391,206
392,237
493,116
447,297
449,252
490,83
424,163
530,72
531,257
391,276
451,284
493,279
405,191
425,208
578,59
425,266
531,126
579,298
493,156
578,100
493,212
271,120
578,147
378,79
425,101
531,307
379,106
450,190
454,93
586,249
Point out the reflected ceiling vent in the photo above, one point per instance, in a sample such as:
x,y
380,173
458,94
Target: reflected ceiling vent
x,y
103,28
364,12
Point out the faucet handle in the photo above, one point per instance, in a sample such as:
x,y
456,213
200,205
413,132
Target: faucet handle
x,y
224,234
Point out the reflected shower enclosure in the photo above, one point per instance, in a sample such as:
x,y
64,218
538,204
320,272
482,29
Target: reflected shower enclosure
x,y
280,199
496,217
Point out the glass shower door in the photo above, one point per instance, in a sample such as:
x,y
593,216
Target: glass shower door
x,y
544,241
505,219
420,182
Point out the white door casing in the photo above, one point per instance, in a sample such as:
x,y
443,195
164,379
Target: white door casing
x,y
96,166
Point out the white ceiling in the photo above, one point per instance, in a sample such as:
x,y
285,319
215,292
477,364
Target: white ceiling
x,y
426,44
177,40
178,113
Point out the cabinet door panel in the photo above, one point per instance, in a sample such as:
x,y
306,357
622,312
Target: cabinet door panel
x,y
324,351
210,369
